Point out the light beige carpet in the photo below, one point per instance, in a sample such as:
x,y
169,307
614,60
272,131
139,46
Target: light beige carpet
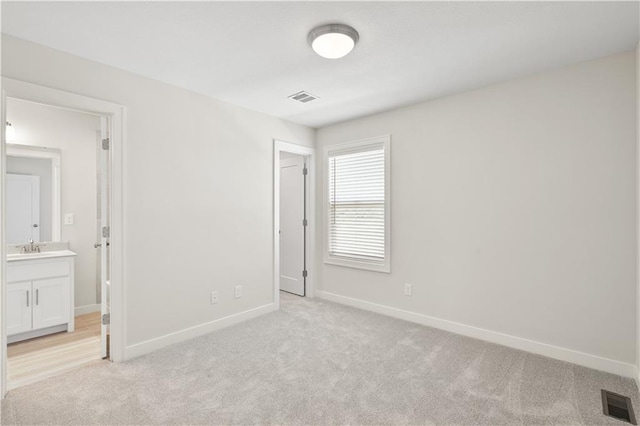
x,y
315,362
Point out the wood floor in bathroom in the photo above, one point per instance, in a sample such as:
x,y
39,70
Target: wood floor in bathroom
x,y
35,359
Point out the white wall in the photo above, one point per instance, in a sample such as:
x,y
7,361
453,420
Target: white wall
x,y
513,209
75,135
198,191
37,167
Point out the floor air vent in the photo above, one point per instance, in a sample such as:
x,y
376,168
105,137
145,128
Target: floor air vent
x,y
618,406
303,97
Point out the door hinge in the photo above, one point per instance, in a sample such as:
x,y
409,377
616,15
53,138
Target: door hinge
x,y
305,222
105,144
106,319
305,171
106,231
304,274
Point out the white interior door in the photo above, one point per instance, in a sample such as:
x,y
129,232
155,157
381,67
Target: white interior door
x,y
292,230
105,286
23,208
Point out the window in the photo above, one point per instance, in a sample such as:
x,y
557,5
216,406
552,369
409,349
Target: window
x,y
357,204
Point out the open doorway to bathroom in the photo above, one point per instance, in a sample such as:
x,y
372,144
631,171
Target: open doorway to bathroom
x,y
57,236
293,220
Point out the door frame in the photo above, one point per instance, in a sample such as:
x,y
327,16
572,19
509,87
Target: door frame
x,y
310,155
117,113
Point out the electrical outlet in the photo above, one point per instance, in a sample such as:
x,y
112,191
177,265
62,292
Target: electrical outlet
x,y
214,297
408,289
238,291
68,218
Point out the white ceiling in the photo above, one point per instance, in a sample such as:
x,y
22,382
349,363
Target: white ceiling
x,y
255,54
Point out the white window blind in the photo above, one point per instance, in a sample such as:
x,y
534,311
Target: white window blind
x,y
356,204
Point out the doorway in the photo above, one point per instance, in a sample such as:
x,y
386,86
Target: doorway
x,y
45,313
294,219
54,305
293,223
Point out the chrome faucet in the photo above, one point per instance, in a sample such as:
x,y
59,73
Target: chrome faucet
x,y
30,248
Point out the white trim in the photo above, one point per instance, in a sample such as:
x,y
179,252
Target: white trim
x,y
37,333
3,249
637,378
52,154
278,147
117,113
86,309
349,147
556,352
152,345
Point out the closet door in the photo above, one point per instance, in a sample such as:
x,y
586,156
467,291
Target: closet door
x,y
292,228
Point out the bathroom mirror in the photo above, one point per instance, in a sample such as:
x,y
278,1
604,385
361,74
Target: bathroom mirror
x,y
32,194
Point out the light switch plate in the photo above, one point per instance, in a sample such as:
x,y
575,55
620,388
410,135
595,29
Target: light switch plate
x,y
68,218
408,289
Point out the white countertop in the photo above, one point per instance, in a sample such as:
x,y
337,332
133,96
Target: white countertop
x,y
41,255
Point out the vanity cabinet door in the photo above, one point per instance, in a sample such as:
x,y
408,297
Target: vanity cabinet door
x,y
19,304
51,304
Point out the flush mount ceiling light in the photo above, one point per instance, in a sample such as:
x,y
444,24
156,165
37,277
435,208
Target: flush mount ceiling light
x,y
333,41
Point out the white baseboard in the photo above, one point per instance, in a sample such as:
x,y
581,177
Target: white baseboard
x,y
556,352
87,309
36,333
189,333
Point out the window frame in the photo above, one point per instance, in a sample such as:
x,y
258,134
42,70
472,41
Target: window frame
x,y
355,146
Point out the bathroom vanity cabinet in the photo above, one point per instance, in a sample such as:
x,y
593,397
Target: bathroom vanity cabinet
x,y
39,294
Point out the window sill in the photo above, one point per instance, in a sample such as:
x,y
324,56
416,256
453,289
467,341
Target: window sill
x,y
384,267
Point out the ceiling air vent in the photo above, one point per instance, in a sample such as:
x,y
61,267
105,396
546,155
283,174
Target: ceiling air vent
x,y
303,97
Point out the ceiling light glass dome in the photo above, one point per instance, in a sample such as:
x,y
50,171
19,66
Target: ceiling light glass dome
x,y
333,41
